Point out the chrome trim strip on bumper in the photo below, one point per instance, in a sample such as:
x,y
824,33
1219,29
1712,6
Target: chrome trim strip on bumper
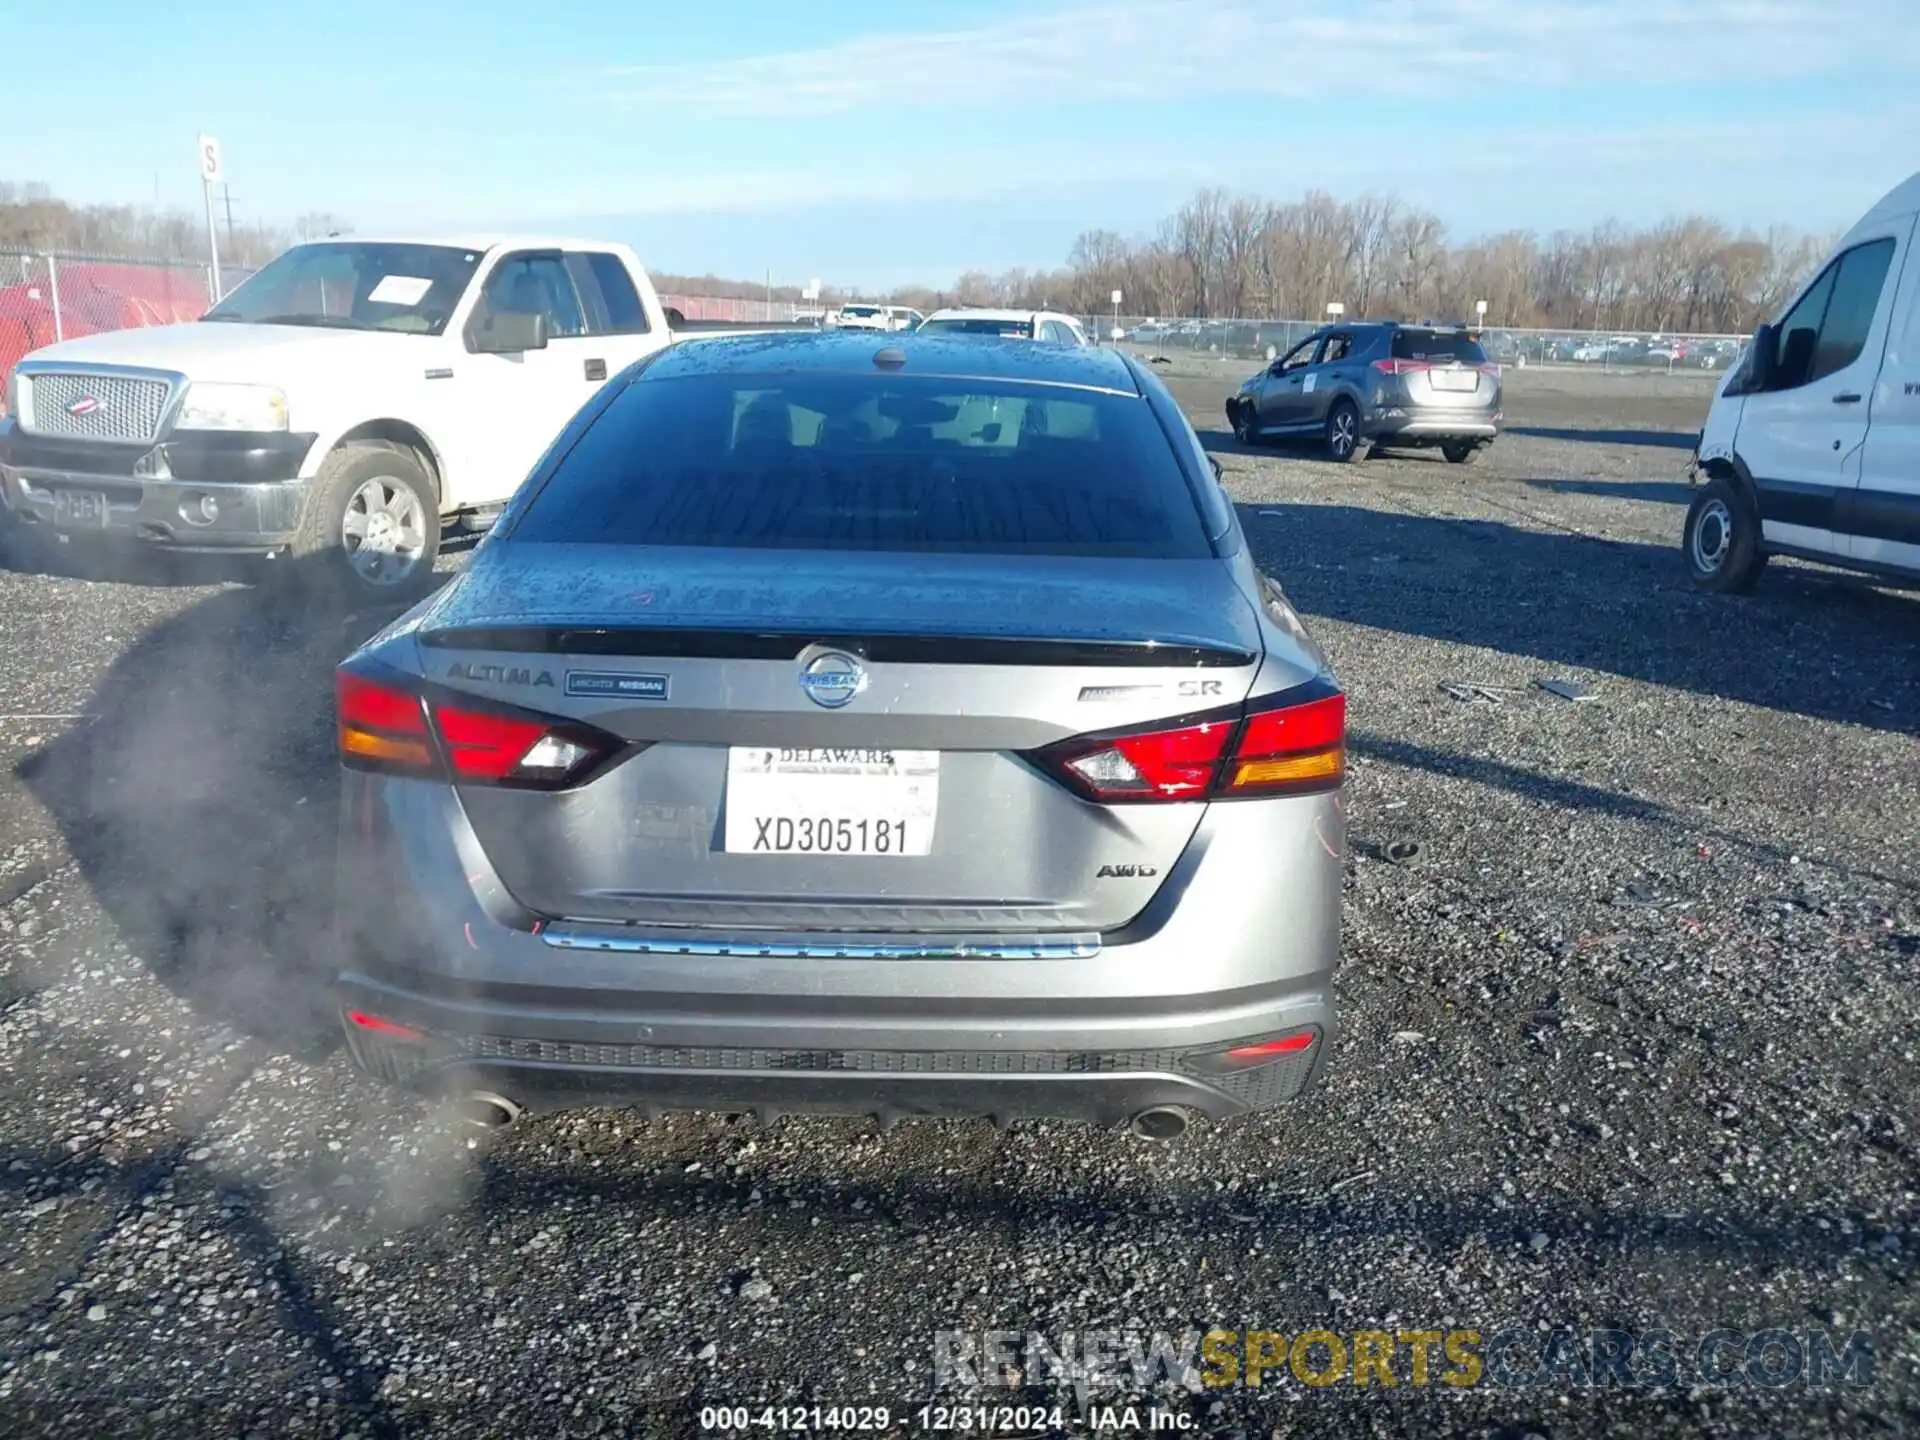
x,y
986,947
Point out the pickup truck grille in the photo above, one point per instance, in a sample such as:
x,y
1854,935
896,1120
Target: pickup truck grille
x,y
76,406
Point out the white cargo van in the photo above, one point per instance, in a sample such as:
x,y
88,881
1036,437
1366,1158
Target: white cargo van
x,y
1812,447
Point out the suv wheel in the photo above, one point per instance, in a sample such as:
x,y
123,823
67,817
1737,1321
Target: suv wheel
x,y
1721,541
1343,432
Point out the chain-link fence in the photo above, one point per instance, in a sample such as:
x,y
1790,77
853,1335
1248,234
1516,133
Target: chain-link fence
x,y
714,307
1269,339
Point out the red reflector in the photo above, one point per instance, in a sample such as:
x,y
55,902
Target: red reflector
x,y
1267,1049
485,747
362,1020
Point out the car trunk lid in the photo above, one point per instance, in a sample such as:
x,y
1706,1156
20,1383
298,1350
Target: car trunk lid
x,y
777,693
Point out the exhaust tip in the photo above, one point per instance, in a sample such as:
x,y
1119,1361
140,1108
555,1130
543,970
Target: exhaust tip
x,y
488,1111
1160,1123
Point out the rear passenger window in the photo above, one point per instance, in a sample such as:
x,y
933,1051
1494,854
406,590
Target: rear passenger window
x,y
1856,296
606,290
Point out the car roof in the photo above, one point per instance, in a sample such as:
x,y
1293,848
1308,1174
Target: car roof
x,y
811,352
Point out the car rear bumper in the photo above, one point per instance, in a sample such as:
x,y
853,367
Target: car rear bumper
x,y
1000,1060
222,493
1238,945
1432,425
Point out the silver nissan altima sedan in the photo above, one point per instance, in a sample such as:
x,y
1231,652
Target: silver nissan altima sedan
x,y
874,725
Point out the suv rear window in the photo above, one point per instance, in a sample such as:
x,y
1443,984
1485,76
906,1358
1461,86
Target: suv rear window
x,y
1439,345
843,462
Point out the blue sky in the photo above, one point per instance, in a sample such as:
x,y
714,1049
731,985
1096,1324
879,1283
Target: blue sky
x,y
874,144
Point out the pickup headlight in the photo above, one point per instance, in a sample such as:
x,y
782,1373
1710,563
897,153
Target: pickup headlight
x,y
211,406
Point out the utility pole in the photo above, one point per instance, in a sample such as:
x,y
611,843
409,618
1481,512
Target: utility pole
x,y
226,194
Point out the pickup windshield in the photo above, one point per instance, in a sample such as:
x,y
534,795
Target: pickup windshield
x,y
355,285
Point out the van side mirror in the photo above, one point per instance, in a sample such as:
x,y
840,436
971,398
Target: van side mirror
x,y
509,332
1760,358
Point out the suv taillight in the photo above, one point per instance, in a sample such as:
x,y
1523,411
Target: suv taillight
x,y
1293,743
1400,367
391,725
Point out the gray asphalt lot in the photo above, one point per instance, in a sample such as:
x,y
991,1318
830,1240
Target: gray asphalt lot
x,y
1630,1044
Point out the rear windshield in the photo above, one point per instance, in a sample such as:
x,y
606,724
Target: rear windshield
x,y
869,463
1438,345
1007,329
862,311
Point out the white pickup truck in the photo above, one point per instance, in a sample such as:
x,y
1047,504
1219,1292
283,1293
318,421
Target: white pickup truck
x,y
340,408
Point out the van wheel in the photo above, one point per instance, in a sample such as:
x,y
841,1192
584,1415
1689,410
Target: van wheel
x,y
1459,452
1721,542
371,530
1343,432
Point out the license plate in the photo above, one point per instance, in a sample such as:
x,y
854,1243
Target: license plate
x,y
1455,379
831,801
76,508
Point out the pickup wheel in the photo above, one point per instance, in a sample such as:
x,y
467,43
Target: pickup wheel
x,y
371,530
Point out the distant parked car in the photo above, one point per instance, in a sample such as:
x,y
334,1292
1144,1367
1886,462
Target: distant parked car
x,y
874,317
1379,384
1044,325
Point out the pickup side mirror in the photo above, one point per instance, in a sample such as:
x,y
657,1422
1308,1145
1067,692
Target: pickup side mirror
x,y
508,332
1760,359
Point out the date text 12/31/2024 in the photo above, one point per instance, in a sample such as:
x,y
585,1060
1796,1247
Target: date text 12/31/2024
x,y
929,1419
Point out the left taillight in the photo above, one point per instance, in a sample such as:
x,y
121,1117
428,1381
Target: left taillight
x,y
1291,744
387,724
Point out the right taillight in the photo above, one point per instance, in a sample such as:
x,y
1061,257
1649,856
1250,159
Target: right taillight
x,y
1290,744
388,723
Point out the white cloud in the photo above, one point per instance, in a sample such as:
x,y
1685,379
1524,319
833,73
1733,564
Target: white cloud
x,y
1156,50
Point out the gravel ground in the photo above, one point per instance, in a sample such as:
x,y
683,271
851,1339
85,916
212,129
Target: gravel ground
x,y
1629,1040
